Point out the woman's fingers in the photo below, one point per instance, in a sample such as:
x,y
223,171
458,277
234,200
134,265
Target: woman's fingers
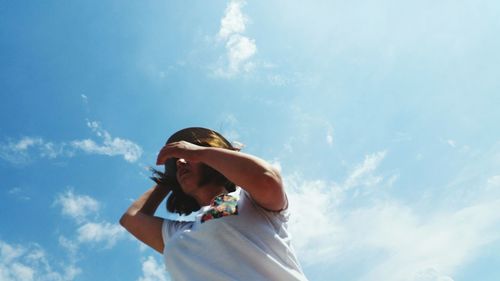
x,y
180,149
162,155
160,160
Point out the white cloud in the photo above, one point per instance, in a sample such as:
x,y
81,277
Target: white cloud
x,y
308,128
329,136
9,252
84,98
28,149
22,272
29,262
397,240
92,232
234,21
18,152
494,181
313,222
411,243
19,193
362,174
239,48
130,151
152,270
26,142
452,143
278,80
449,142
51,150
230,125
111,146
276,164
70,246
78,207
431,274
82,208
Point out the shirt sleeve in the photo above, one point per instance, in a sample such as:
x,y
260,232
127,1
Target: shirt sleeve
x,y
282,215
171,227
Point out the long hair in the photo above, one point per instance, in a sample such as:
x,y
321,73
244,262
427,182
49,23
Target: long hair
x,y
178,201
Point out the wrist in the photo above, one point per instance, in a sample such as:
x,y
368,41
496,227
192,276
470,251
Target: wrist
x,y
203,154
162,189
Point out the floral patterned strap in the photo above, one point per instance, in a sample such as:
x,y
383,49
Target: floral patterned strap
x,y
221,206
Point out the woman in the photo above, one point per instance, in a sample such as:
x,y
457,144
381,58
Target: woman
x,y
240,229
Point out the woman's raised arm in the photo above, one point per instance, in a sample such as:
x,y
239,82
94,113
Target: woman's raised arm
x,y
256,176
140,221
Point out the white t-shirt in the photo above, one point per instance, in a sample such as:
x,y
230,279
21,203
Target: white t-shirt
x,y
248,244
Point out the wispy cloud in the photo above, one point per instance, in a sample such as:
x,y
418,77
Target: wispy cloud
x,y
85,99
152,270
103,232
452,143
230,127
363,173
314,227
28,149
278,79
412,244
19,193
308,127
329,136
30,262
494,181
399,241
239,48
80,208
111,146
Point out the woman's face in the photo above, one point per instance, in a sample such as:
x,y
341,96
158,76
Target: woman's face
x,y
188,175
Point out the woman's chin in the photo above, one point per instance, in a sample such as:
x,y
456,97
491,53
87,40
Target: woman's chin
x,y
189,189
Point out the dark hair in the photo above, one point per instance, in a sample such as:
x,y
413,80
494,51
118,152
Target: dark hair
x,y
178,201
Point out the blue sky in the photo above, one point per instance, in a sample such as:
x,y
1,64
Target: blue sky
x,y
382,116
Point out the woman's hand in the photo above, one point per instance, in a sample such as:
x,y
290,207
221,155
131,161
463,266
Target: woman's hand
x,y
181,149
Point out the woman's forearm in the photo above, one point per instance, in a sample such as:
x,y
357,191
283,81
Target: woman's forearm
x,y
149,201
140,221
243,169
256,176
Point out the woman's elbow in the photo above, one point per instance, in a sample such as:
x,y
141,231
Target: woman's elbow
x,y
123,220
126,220
272,178
270,193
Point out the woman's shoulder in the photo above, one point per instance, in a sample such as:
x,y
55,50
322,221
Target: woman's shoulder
x,y
247,201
